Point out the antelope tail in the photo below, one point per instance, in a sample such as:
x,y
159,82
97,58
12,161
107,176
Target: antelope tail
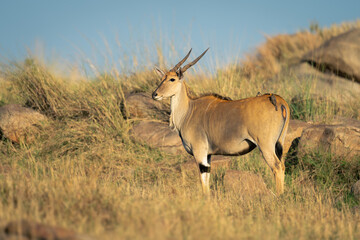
x,y
280,141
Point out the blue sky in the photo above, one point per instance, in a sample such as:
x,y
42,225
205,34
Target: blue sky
x,y
70,29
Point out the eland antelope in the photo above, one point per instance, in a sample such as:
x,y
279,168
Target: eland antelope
x,y
214,125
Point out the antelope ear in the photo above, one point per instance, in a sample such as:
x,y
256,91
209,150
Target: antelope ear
x,y
180,74
159,71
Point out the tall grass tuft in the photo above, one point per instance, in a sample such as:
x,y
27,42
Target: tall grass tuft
x,y
100,99
39,89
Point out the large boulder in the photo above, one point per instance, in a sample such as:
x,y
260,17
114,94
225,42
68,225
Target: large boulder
x,y
325,84
141,105
18,123
341,139
340,55
157,134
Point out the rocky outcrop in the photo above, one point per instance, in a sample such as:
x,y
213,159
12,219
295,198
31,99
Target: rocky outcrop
x,y
332,69
141,105
326,84
339,55
157,134
341,139
18,123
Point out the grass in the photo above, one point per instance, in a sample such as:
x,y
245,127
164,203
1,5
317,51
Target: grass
x,y
84,172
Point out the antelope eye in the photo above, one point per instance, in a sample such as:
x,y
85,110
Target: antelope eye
x,y
172,80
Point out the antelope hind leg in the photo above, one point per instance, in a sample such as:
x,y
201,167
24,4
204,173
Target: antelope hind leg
x,y
277,167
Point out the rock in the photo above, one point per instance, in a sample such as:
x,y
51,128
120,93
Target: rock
x,y
17,123
342,139
326,84
340,55
159,135
140,105
246,183
30,230
278,51
355,190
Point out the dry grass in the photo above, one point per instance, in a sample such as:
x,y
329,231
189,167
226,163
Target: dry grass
x,y
85,173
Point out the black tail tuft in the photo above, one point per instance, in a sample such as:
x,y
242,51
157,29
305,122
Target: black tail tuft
x,y
278,150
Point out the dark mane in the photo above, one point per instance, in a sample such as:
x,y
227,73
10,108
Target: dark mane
x,y
193,96
214,95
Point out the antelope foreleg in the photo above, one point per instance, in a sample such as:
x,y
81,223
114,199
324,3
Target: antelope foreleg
x,y
205,178
204,169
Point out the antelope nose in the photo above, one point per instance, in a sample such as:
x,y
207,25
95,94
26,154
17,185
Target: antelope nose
x,y
154,95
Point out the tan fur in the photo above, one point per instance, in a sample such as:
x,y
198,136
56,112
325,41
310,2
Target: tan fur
x,y
210,125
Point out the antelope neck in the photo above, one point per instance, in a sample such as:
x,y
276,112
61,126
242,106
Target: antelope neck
x,y
180,104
